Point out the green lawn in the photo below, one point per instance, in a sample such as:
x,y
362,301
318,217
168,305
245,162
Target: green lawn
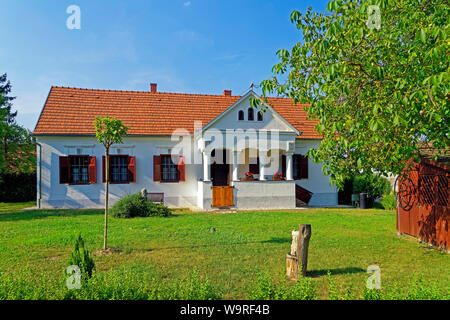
x,y
344,242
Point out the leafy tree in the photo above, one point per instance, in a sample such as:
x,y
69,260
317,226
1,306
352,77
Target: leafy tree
x,y
375,185
17,154
5,108
5,90
376,91
108,131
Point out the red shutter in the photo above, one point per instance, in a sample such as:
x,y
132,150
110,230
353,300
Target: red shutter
x,y
296,166
103,170
181,169
303,167
156,168
92,170
132,169
64,170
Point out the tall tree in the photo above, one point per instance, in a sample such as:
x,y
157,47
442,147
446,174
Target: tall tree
x,y
376,76
109,131
6,109
5,90
17,153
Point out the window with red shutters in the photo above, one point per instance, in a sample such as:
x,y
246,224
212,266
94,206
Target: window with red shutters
x,y
122,169
169,168
76,169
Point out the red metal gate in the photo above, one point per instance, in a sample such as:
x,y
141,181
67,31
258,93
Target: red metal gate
x,y
427,214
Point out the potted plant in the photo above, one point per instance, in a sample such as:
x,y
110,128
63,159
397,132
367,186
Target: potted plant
x,y
278,176
249,176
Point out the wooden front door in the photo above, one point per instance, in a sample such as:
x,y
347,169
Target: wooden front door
x,y
222,196
220,170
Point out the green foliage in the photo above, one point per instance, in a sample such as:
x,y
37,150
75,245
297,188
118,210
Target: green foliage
x,y
17,149
82,258
135,205
266,289
109,130
334,293
418,289
116,284
374,185
388,202
375,93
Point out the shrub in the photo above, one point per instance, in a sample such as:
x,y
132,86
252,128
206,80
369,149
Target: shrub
x,y
137,206
82,258
374,185
388,202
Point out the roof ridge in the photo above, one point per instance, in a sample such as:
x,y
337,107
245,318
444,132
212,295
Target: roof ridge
x,y
162,92
149,92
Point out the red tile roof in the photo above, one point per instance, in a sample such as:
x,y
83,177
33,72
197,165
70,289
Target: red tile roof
x,y
71,111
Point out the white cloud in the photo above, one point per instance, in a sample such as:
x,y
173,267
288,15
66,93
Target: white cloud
x,y
187,4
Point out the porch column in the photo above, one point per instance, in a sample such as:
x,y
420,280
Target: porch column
x,y
289,166
262,165
206,165
235,166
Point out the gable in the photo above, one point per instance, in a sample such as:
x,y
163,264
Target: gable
x,y
270,119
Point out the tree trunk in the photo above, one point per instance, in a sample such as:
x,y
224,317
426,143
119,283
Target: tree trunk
x,y
297,259
303,245
105,239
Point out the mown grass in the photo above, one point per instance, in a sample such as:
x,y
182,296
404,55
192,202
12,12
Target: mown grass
x,y
245,245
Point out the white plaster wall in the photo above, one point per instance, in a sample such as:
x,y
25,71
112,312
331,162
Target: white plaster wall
x,y
264,194
324,193
54,194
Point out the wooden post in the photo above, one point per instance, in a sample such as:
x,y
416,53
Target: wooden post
x,y
297,259
303,245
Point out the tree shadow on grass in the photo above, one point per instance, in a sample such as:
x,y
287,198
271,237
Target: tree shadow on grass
x,y
42,214
334,272
277,240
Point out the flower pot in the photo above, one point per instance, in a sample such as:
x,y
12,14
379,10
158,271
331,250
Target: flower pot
x,y
277,178
248,179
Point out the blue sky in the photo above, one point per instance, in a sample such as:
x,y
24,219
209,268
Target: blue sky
x,y
185,46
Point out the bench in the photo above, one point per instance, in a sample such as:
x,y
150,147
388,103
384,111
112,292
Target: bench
x,y
156,197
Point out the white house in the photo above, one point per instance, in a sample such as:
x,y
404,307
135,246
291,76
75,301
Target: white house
x,y
193,149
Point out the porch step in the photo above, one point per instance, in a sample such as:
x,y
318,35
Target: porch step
x,y
302,194
300,203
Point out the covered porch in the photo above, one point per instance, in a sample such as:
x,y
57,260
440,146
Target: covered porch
x,y
254,174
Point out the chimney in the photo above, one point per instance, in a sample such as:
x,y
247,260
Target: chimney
x,y
227,93
153,87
